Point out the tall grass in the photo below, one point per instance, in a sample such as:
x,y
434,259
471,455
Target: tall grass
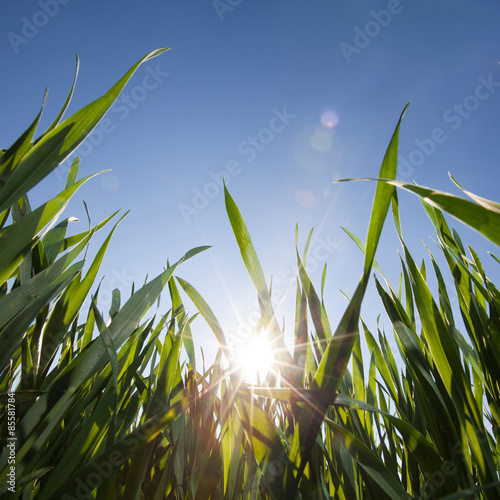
x,y
115,406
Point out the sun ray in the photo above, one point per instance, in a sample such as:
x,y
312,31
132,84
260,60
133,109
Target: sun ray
x,y
254,358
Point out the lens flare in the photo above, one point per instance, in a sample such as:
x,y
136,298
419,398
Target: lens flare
x,y
321,141
255,359
306,199
329,118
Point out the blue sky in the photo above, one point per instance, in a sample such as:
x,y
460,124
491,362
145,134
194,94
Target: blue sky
x,y
279,97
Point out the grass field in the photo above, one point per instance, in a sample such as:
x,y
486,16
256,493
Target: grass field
x,y
114,405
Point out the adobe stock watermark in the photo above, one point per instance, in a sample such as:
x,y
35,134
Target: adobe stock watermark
x,y
438,478
453,118
121,109
223,6
364,36
102,468
11,441
273,470
249,149
31,27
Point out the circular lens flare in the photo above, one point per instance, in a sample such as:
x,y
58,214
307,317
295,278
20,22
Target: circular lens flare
x,y
329,118
255,359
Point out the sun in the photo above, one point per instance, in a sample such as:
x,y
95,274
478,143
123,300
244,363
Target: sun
x,y
254,359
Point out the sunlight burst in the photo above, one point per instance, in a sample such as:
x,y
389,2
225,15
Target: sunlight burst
x,y
255,359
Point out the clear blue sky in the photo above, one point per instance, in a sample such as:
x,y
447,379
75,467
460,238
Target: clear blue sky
x,y
285,96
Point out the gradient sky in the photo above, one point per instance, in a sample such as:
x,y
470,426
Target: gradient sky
x,y
280,97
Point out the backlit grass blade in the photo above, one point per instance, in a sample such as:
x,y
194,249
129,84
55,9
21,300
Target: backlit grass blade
x,y
53,148
160,398
208,314
372,465
428,458
440,342
252,264
333,364
13,332
358,374
53,240
21,237
334,361
19,298
95,428
187,338
73,172
361,245
318,312
489,204
70,241
383,197
458,396
13,155
484,218
67,101
380,362
68,305
89,362
107,341
301,332
114,457
247,251
261,433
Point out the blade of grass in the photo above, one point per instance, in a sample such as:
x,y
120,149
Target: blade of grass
x,y
54,147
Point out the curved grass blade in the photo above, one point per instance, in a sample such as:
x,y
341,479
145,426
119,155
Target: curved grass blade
x,y
53,148
68,99
361,245
333,364
372,464
13,155
208,314
45,418
115,456
484,217
252,264
14,331
21,237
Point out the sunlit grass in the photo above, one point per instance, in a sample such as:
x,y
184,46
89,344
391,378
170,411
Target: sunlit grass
x,y
115,405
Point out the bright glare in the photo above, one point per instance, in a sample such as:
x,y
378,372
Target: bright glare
x,y
329,118
255,357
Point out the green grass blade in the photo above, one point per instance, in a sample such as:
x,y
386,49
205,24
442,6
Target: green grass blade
x,y
318,312
53,148
115,456
68,99
372,464
484,218
14,331
383,197
20,237
334,361
87,364
73,172
254,269
208,314
13,155
107,341
362,246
